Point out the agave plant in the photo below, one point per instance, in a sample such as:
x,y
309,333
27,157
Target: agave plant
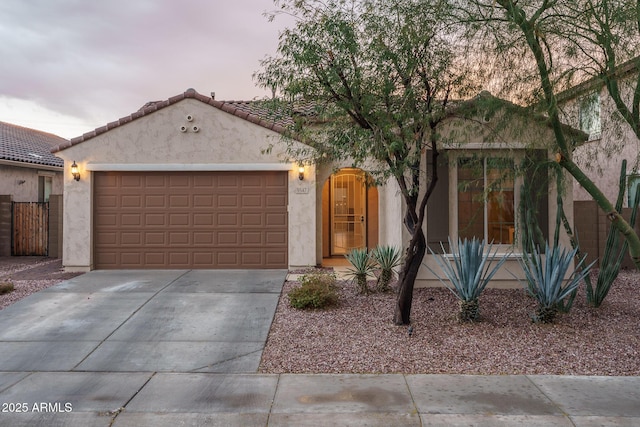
x,y
362,267
546,279
469,275
387,258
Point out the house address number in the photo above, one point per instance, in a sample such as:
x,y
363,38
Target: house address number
x,y
302,190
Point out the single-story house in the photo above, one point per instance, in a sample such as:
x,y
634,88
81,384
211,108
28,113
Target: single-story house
x,y
29,173
189,183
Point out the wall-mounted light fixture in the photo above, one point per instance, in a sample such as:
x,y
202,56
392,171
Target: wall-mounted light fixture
x,y
74,171
301,173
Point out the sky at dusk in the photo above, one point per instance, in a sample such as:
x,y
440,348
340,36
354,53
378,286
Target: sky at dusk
x,y
69,66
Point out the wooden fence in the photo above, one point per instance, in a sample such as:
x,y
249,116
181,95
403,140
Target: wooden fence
x,y
30,224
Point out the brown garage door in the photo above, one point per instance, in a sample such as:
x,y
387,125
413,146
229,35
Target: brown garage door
x,y
190,220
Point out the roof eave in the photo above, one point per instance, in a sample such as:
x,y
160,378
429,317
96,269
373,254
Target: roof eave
x,y
188,94
17,163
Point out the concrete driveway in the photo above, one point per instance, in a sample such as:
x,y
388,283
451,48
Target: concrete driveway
x,y
180,348
184,321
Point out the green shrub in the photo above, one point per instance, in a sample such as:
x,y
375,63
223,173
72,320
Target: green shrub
x,y
316,290
5,288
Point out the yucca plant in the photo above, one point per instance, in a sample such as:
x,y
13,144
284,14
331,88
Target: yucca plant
x,y
546,279
469,275
362,267
387,258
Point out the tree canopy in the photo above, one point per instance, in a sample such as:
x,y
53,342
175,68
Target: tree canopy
x,y
380,74
553,45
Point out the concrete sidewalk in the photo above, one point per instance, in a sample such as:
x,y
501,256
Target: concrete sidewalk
x,y
208,399
181,348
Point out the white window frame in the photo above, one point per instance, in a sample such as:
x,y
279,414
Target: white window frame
x,y
589,115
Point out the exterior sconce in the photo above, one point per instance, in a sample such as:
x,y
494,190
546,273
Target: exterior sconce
x,y
74,171
301,173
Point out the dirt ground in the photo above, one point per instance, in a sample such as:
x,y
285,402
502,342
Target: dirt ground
x,y
33,268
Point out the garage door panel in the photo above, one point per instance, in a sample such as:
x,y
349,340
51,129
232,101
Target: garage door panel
x,y
155,238
252,181
203,219
179,219
228,201
179,182
227,259
106,220
227,220
150,180
106,257
132,181
203,181
276,258
179,238
276,238
130,201
190,219
228,182
276,219
203,238
254,238
252,219
252,201
179,258
107,238
107,201
275,200
131,258
151,259
203,201
276,180
130,238
252,258
228,238
131,219
155,220
179,201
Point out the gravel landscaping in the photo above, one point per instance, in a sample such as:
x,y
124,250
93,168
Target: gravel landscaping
x,y
358,335
29,275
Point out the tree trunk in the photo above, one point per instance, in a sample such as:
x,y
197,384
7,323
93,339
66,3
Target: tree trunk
x,y
413,260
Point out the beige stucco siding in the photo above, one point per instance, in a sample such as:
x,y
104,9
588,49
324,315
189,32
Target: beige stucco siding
x,y
156,141
601,158
21,183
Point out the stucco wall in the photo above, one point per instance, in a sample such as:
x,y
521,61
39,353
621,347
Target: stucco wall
x,y
22,182
601,158
156,141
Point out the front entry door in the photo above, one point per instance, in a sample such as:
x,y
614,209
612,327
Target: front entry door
x,y
348,211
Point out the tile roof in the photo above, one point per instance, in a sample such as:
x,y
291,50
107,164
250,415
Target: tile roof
x,y
20,144
253,111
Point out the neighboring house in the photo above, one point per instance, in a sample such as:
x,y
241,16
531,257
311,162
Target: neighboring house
x,y
611,140
589,107
29,173
190,183
28,170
